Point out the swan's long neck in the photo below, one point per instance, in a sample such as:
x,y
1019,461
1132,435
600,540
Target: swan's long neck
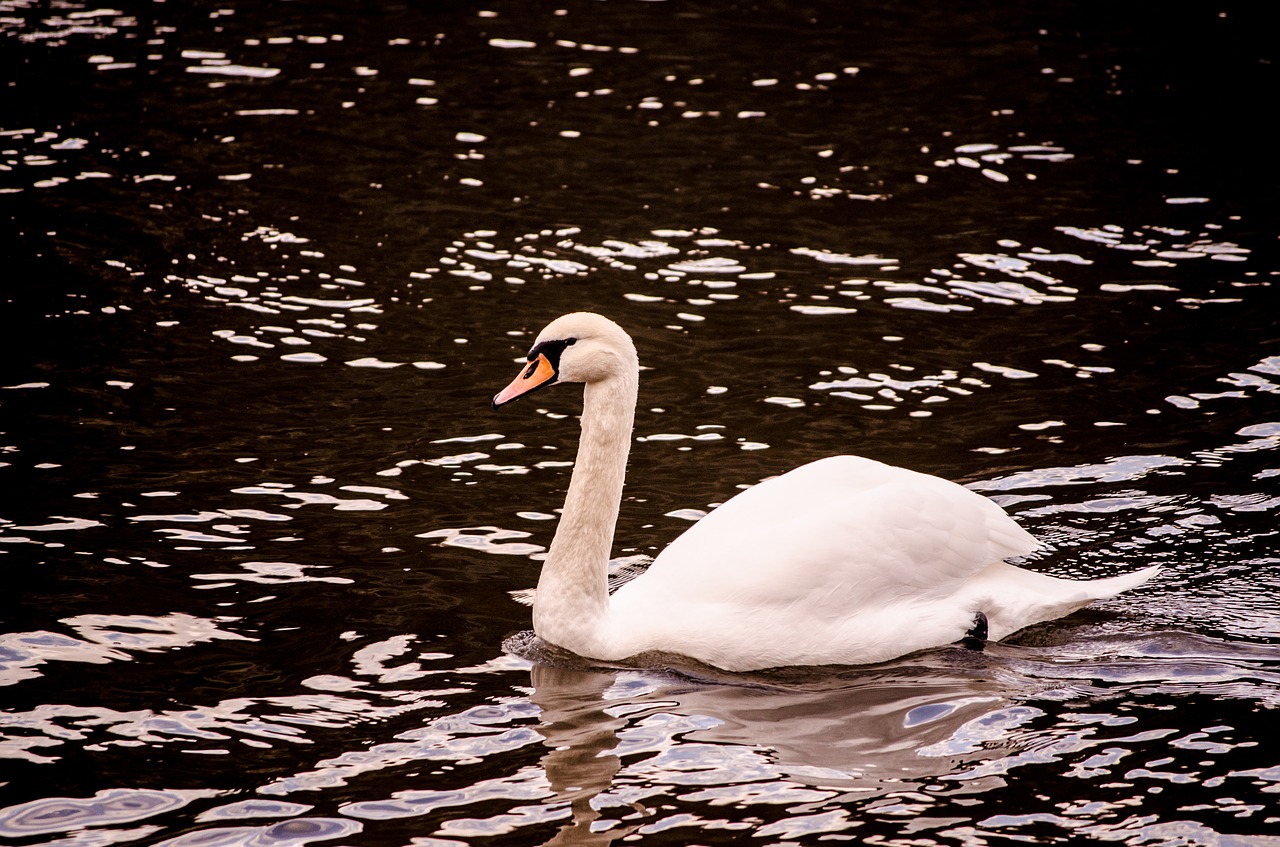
x,y
571,605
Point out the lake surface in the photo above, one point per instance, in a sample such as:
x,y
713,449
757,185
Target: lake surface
x,y
264,265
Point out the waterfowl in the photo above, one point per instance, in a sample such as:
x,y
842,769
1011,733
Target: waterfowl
x,y
844,560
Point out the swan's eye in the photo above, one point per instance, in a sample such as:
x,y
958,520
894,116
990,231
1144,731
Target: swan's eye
x,y
569,341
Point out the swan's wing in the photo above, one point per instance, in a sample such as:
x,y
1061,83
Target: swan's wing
x,y
626,568
837,534
621,571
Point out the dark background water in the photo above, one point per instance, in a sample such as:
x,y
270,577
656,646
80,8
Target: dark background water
x,y
265,263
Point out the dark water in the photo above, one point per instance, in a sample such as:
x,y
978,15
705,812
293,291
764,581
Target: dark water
x,y
265,263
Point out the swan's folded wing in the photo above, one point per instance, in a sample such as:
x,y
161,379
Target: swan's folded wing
x,y
839,533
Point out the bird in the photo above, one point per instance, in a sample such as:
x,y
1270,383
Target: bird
x,y
842,561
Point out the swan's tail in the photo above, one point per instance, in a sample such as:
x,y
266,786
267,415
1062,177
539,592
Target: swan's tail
x,y
1111,586
1014,598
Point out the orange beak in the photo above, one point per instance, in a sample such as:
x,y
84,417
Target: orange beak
x,y
536,374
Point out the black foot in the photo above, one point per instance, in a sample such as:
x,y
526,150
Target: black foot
x,y
976,637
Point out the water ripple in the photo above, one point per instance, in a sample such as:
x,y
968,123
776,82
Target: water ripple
x,y
113,806
271,322
285,834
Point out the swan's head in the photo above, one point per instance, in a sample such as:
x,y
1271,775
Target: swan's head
x,y
579,347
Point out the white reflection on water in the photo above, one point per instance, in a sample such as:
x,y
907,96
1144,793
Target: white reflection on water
x,y
102,639
113,806
487,539
288,833
466,737
620,745
272,573
40,733
689,278
255,808
823,747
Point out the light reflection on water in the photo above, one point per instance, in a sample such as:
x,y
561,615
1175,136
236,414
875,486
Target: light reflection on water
x,y
264,532
611,749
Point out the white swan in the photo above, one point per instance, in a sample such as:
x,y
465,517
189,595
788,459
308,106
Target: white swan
x,y
841,561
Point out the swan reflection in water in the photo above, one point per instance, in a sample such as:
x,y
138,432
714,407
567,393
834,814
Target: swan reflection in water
x,y
621,742
581,761
617,737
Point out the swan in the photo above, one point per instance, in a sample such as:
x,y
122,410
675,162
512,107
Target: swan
x,y
842,561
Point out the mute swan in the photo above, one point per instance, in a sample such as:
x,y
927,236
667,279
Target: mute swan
x,y
841,561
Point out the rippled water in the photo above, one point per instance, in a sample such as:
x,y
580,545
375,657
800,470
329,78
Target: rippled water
x,y
265,264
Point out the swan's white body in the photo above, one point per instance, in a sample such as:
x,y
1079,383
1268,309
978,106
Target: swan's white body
x,y
842,561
